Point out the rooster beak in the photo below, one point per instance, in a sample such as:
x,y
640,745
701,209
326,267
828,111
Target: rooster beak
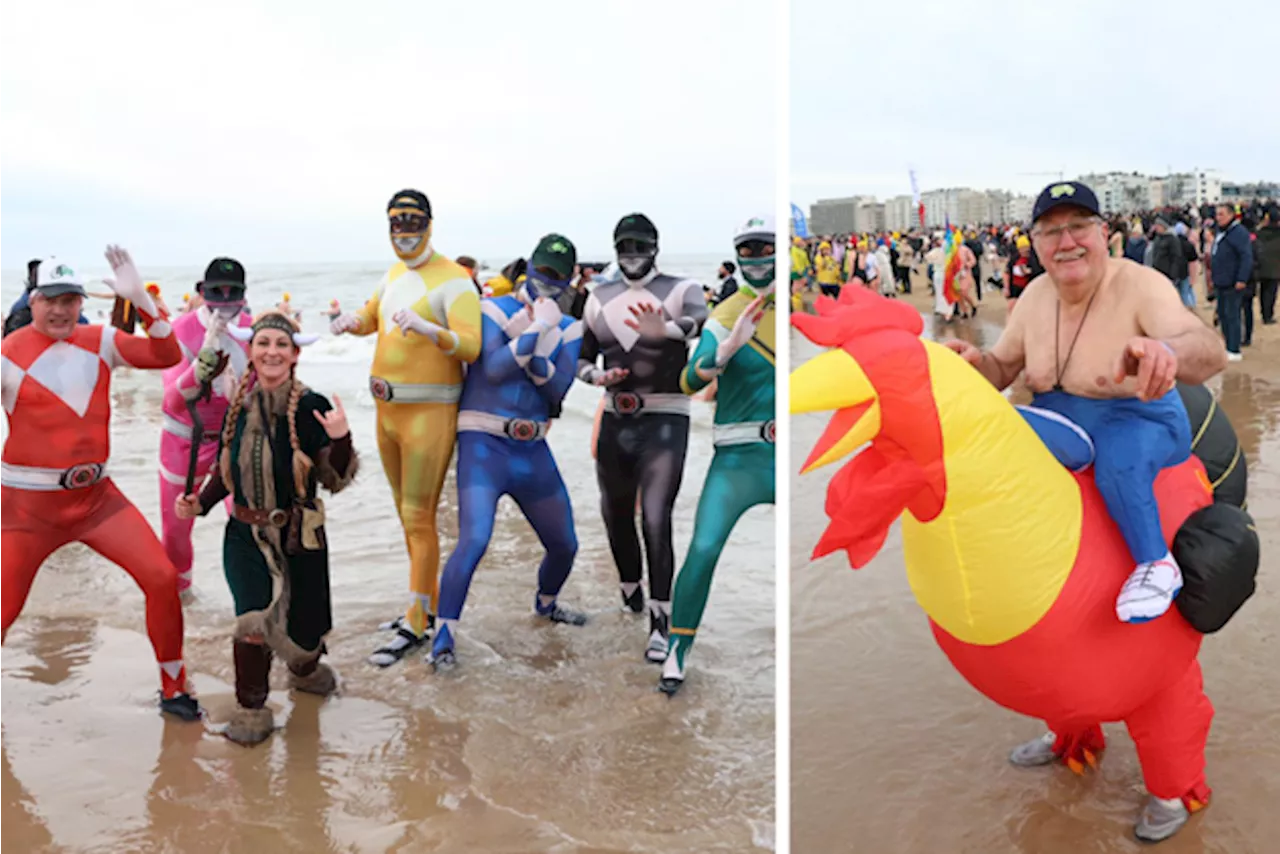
x,y
835,381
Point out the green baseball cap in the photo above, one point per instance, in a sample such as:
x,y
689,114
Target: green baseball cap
x,y
557,252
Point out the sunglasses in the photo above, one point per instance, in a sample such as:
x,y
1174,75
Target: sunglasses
x,y
223,293
634,246
408,224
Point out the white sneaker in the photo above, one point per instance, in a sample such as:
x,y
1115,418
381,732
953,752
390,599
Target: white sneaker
x,y
1234,357
1149,591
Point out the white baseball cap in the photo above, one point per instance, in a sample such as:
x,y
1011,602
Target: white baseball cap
x,y
54,278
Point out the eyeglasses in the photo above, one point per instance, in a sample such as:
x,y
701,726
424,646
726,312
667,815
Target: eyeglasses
x,y
1079,229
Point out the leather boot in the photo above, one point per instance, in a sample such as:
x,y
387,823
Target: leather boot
x,y
252,722
313,676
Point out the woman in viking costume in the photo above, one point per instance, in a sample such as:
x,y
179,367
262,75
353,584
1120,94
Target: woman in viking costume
x,y
280,440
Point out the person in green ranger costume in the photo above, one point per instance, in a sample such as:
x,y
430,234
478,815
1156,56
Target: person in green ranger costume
x,y
737,348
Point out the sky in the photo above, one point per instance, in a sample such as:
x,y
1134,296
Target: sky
x,y
997,94
277,131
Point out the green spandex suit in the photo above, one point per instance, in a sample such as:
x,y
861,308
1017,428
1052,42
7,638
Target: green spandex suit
x,y
742,470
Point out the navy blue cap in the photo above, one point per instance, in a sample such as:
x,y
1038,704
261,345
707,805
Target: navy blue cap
x,y
1065,193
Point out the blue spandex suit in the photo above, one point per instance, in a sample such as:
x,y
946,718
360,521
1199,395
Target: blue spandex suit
x,y
519,379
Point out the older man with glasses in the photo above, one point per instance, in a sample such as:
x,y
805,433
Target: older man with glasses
x,y
1103,341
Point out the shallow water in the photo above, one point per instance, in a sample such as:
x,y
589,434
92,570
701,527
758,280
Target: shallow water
x,y
893,751
546,738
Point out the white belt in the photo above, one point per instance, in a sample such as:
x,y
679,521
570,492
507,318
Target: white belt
x,y
744,433
631,403
39,479
520,429
175,427
389,392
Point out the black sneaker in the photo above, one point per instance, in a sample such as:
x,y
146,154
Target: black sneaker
x,y
182,706
442,661
558,613
669,686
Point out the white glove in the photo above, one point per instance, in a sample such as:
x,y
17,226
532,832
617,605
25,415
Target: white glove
x,y
410,321
743,330
213,335
127,284
517,324
344,322
546,312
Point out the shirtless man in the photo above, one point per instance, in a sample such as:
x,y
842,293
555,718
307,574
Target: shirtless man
x,y
1103,341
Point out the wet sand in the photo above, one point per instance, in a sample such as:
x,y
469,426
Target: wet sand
x,y
893,751
545,739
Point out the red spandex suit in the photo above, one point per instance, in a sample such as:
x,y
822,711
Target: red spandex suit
x,y
54,488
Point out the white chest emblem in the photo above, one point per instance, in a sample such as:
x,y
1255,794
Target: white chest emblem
x,y
618,310
68,371
404,292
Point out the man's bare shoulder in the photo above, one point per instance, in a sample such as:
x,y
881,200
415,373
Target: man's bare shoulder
x,y
1132,279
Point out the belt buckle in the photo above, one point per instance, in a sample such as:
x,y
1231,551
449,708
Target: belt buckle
x,y
78,477
380,389
769,431
277,518
627,402
521,429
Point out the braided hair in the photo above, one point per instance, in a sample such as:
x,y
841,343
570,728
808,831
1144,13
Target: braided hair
x,y
301,463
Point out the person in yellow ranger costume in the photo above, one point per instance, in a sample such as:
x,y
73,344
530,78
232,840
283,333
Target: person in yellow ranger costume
x,y
416,380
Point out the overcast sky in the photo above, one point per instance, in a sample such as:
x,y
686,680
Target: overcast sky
x,y
277,131
976,94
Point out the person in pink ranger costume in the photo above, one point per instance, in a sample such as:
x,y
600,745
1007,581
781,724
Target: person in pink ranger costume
x,y
208,350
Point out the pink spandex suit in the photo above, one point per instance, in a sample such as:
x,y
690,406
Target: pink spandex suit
x,y
180,385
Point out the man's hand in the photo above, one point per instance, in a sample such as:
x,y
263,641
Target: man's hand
x,y
647,320
547,312
613,376
126,282
410,321
966,351
344,322
1154,364
1241,286
743,330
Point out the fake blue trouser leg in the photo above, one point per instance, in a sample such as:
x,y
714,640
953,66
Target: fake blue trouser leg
x,y
488,468
482,480
541,495
1132,442
740,477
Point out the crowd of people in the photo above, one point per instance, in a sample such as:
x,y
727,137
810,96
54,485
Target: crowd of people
x,y
1228,253
482,368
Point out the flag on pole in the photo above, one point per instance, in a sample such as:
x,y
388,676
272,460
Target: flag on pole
x,y
952,263
798,222
915,198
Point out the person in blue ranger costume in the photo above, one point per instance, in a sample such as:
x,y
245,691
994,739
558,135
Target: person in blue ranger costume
x,y
737,348
527,362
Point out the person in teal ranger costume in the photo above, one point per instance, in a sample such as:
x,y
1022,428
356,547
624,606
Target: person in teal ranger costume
x,y
737,348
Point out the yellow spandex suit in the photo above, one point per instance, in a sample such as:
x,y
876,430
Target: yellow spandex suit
x,y
416,384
